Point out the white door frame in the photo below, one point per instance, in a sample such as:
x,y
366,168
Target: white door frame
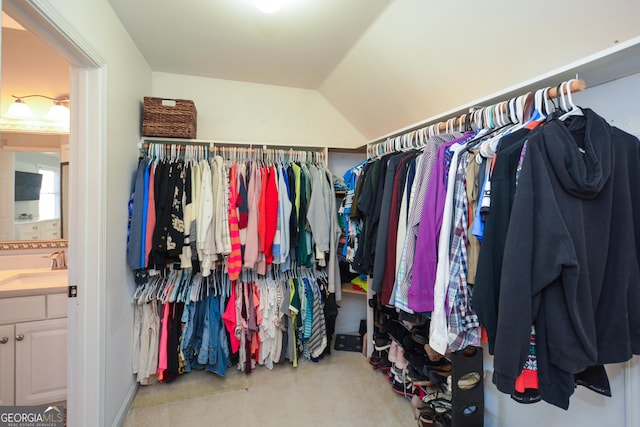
x,y
86,313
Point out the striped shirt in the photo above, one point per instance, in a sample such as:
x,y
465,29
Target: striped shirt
x,y
234,261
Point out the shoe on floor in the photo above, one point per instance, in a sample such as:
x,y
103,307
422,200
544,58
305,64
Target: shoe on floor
x,y
375,359
403,388
417,378
381,341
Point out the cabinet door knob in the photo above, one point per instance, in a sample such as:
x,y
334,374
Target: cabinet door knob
x,y
4,340
19,337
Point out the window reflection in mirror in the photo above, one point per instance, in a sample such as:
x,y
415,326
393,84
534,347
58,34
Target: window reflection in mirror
x,y
31,186
37,186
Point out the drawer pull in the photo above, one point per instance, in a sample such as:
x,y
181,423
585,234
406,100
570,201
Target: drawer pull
x,y
4,340
19,337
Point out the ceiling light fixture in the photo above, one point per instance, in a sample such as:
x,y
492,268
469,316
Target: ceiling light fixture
x,y
59,111
269,6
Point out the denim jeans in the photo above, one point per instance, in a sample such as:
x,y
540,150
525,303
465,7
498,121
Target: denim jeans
x,y
218,350
187,318
194,343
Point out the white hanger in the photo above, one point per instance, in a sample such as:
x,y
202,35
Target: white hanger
x,y
548,105
561,97
422,138
574,109
477,118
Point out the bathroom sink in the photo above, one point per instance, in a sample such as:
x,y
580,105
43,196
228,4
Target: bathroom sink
x,y
35,279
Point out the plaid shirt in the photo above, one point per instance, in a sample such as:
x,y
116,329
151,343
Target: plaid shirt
x,y
464,328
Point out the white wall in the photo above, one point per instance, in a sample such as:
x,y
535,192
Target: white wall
x,y
587,409
128,81
421,58
251,112
340,162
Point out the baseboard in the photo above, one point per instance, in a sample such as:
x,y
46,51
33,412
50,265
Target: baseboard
x,y
126,404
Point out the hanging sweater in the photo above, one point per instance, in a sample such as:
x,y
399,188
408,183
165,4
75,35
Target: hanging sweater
x,y
234,261
571,262
251,247
270,212
134,247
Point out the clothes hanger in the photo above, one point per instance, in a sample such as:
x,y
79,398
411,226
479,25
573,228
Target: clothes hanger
x,y
462,120
574,110
477,118
139,291
431,131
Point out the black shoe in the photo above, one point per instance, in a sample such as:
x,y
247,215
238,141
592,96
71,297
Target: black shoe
x,y
381,341
375,359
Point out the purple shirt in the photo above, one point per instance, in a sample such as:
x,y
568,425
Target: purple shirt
x,y
426,256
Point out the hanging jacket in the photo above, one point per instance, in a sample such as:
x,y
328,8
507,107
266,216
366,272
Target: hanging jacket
x,y
134,245
571,263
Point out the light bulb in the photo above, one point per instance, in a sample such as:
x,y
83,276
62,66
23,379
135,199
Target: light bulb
x,y
269,6
58,113
19,110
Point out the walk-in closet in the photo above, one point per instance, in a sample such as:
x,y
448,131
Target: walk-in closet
x,y
332,213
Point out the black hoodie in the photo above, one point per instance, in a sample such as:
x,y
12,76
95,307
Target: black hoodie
x,y
571,265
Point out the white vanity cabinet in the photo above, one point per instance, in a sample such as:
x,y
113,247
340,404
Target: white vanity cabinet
x,y
33,349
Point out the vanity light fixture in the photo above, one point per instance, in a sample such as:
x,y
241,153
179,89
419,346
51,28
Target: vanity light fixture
x,y
59,111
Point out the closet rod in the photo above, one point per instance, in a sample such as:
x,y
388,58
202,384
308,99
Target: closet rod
x,y
145,141
575,85
145,146
311,154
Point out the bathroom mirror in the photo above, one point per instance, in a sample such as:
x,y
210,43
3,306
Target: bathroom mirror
x,y
33,190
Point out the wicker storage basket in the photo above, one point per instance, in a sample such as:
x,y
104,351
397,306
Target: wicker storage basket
x,y
174,118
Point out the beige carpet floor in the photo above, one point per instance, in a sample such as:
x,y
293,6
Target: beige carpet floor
x,y
341,390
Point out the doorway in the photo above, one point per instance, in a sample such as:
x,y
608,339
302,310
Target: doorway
x,y
85,313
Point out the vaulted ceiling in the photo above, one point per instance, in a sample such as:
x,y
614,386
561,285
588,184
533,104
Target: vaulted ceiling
x,y
382,64
298,46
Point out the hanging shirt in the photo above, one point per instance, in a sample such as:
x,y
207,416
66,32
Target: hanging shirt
x,y
205,215
185,257
196,185
438,331
318,214
253,193
221,207
487,284
400,292
151,215
134,245
144,258
389,272
420,294
270,212
234,261
418,195
380,253
464,329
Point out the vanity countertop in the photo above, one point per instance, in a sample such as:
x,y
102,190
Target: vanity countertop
x,y
34,281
